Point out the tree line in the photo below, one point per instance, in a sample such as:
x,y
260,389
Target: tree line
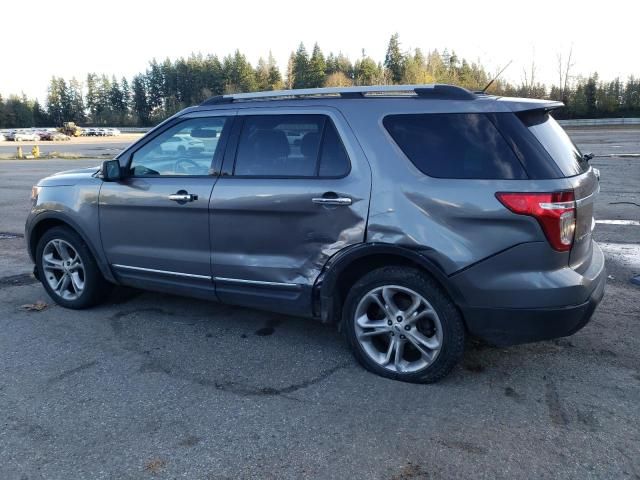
x,y
166,87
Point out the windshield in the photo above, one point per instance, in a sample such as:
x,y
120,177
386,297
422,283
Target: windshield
x,y
556,142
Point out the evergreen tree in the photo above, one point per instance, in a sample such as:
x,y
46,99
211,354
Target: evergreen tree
x,y
3,115
415,69
76,102
54,102
300,71
290,71
394,60
275,78
171,85
92,102
213,80
317,66
155,85
590,93
238,74
117,102
126,100
66,100
139,100
262,75
40,117
367,72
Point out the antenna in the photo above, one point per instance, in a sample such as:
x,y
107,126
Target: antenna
x,y
496,77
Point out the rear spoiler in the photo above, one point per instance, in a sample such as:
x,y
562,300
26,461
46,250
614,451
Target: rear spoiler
x,y
524,104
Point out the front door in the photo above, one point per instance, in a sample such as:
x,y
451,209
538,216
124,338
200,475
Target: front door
x,y
154,223
294,191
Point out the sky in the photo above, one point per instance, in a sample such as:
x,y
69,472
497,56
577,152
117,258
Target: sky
x,y
120,37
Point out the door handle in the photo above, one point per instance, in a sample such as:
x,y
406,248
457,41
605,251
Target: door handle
x,y
182,197
332,201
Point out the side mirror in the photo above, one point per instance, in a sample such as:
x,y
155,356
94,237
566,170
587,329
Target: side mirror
x,y
111,171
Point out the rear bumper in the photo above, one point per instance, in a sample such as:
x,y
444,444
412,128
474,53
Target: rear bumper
x,y
532,303
512,326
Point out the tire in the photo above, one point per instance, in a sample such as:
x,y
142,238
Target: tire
x,y
432,338
85,273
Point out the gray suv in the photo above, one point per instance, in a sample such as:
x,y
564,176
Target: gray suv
x,y
411,216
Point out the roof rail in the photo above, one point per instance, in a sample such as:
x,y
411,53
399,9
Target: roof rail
x,y
433,91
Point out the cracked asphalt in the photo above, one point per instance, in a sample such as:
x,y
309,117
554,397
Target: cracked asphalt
x,y
156,386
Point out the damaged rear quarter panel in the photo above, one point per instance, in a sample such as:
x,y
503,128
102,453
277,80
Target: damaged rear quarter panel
x,y
453,222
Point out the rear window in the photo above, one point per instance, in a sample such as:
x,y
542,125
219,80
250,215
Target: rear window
x,y
455,145
556,142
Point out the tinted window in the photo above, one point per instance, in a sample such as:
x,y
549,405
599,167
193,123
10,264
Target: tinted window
x,y
333,159
187,148
458,145
556,142
289,146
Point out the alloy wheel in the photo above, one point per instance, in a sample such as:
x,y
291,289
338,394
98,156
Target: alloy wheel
x,y
398,329
63,269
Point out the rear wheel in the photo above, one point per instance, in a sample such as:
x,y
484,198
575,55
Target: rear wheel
x,y
401,325
68,270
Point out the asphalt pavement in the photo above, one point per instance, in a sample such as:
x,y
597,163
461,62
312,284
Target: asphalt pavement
x,y
156,386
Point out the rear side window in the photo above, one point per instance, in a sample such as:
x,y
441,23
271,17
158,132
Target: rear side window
x,y
556,142
455,145
333,157
290,146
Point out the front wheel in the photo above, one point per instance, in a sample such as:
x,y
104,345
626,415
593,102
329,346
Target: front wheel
x,y
401,325
68,270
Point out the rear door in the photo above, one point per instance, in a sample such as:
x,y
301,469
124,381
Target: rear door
x,y
294,191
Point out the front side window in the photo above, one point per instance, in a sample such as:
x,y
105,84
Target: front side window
x,y
455,145
187,148
290,146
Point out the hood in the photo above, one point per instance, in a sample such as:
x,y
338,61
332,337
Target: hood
x,y
70,177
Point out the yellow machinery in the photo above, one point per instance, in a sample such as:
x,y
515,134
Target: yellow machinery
x,y
71,129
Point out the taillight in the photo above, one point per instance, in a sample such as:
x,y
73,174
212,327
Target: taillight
x,y
555,212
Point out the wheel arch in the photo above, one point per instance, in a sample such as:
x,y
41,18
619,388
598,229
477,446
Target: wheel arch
x,y
344,268
45,221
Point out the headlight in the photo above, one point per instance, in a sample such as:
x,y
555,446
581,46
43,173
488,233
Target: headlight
x,y
35,191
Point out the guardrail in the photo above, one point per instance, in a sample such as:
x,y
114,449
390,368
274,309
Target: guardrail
x,y
134,129
594,122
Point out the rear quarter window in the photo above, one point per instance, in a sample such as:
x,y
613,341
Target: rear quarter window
x,y
455,145
555,141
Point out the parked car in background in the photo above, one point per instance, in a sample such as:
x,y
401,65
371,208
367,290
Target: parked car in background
x,y
2,137
182,144
100,132
55,136
26,136
412,216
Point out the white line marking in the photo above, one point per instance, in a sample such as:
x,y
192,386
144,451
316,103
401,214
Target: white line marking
x,y
619,222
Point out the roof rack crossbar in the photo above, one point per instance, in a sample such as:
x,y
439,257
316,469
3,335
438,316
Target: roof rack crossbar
x,y
433,91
